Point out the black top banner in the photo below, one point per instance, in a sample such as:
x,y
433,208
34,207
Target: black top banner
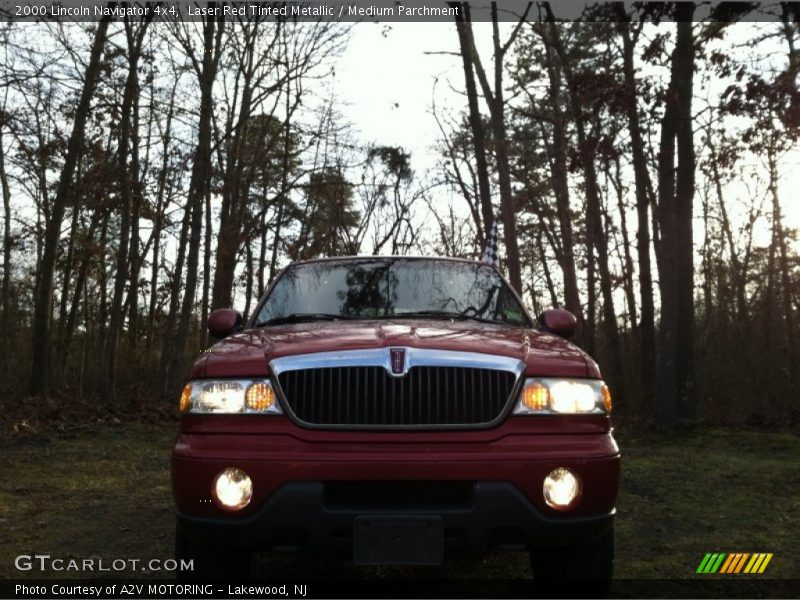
x,y
389,11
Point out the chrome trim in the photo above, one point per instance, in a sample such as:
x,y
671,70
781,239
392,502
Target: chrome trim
x,y
381,357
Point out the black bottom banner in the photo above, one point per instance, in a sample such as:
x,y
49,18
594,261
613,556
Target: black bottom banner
x,y
73,589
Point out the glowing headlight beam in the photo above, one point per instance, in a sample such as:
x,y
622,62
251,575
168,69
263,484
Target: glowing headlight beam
x,y
548,395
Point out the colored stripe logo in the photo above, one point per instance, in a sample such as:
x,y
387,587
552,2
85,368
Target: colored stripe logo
x,y
734,563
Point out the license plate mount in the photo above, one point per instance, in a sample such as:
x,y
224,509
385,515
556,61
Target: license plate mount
x,y
403,540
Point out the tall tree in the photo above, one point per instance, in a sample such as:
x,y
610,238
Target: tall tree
x,y
587,143
135,37
7,241
463,17
558,161
494,97
206,71
40,371
675,378
630,35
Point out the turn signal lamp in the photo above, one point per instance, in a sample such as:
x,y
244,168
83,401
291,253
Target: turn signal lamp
x,y
260,397
606,398
535,396
186,398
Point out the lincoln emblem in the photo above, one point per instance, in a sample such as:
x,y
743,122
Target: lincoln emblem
x,y
398,356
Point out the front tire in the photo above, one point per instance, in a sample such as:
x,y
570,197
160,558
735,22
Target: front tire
x,y
208,561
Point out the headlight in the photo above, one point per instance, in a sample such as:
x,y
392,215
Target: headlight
x,y
547,396
229,396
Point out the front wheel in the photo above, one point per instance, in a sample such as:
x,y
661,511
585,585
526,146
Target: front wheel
x,y
208,561
593,560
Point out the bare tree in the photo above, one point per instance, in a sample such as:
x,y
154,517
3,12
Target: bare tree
x,y
205,68
128,177
40,371
675,380
495,101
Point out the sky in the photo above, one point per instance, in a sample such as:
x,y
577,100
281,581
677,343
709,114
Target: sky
x,y
385,81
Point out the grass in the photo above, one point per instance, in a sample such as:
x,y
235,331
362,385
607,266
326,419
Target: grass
x,y
104,491
706,491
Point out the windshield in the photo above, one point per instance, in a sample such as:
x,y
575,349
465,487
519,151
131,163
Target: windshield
x,y
391,288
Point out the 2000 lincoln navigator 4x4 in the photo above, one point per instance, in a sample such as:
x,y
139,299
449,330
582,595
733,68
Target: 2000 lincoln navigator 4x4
x,y
401,410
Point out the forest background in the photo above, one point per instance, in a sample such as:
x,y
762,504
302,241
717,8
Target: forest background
x,y
642,164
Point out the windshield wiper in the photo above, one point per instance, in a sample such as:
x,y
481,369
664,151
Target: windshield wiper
x,y
439,314
306,318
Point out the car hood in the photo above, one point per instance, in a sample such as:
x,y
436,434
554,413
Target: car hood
x,y
247,354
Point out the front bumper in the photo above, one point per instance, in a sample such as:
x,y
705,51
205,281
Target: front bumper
x,y
309,486
301,517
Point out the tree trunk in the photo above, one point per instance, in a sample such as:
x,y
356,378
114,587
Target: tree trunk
x,y
234,198
262,248
558,170
643,185
495,101
675,367
136,208
127,133
206,269
282,197
590,326
7,320
162,199
40,371
273,262
475,122
103,309
595,220
57,378
779,239
551,289
197,188
67,276
80,284
684,212
626,259
168,348
500,141
249,272
740,271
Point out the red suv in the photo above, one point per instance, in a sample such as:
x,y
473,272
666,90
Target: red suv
x,y
401,411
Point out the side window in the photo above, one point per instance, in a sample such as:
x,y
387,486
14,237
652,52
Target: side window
x,y
508,309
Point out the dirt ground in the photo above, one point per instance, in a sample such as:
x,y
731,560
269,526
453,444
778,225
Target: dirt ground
x,y
104,491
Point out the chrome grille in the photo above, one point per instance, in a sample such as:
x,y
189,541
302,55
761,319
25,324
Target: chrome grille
x,y
359,395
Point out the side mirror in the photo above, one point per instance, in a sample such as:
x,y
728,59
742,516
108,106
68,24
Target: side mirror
x,y
560,322
224,321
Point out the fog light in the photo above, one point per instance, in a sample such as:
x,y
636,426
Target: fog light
x,y
561,488
233,488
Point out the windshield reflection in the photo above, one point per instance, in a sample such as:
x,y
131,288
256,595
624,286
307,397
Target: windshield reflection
x,y
382,288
